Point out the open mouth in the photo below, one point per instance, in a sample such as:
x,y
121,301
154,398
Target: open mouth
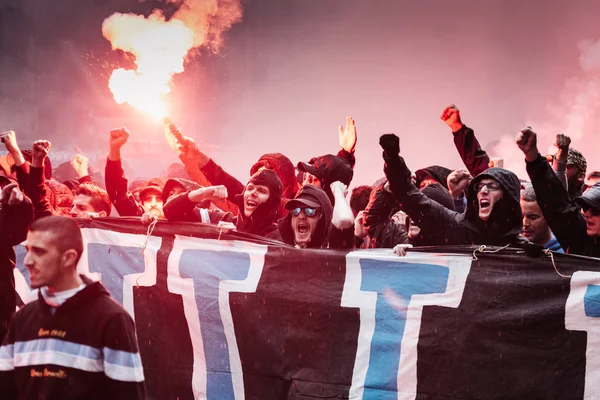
x,y
484,204
251,204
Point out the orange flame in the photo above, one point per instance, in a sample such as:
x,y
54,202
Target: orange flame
x,y
159,47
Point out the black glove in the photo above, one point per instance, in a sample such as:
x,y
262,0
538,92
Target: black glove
x,y
390,144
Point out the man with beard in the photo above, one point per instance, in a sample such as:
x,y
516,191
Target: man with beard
x,y
258,203
576,223
535,227
493,215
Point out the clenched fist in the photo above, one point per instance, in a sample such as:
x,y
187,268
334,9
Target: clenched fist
x,y
11,195
562,141
458,181
527,142
40,150
80,164
118,137
451,116
390,144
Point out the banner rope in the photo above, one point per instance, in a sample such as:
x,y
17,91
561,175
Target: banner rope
x,y
483,249
148,234
549,252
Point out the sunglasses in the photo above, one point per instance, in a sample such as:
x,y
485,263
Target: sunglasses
x,y
308,211
594,211
492,186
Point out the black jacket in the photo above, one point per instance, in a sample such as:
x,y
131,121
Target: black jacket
x,y
562,214
383,230
90,324
14,222
116,187
443,226
474,157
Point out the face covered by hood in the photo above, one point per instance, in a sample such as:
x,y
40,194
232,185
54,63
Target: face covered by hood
x,y
313,195
185,184
283,167
435,172
263,217
506,217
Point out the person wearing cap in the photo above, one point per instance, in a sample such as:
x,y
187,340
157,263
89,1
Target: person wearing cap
x,y
493,215
324,170
258,203
308,221
574,222
569,165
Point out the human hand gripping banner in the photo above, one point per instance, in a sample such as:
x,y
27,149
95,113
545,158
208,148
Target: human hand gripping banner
x,y
253,319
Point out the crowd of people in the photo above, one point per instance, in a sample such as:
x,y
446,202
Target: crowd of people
x,y
306,205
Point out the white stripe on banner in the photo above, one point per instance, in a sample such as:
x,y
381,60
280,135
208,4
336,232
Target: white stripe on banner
x,y
58,352
123,365
6,358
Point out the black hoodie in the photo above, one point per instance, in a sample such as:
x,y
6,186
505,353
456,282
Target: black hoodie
x,y
444,226
435,172
319,237
261,222
562,214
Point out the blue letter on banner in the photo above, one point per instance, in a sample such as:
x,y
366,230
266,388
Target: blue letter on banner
x,y
391,292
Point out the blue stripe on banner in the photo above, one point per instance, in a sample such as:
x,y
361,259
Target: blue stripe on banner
x,y
122,358
57,345
405,280
7,357
591,301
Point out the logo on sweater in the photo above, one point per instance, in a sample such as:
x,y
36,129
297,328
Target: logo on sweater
x,y
54,333
46,373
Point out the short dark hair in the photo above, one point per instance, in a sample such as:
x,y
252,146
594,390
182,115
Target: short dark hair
x,y
527,192
359,199
100,200
65,232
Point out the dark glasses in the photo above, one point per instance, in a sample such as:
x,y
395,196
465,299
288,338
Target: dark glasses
x,y
595,211
308,211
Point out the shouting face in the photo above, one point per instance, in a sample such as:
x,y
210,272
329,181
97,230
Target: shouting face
x,y
535,228
489,192
304,224
254,196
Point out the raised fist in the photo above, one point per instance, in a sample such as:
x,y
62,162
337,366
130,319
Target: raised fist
x,y
9,138
562,141
40,149
118,137
339,187
527,142
457,181
215,193
80,165
390,144
451,116
348,136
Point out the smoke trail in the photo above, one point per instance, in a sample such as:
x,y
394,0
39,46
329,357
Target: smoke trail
x,y
575,113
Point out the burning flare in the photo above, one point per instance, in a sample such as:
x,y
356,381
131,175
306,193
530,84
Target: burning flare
x,y
160,48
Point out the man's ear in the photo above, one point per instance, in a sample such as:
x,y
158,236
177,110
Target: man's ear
x,y
70,258
102,214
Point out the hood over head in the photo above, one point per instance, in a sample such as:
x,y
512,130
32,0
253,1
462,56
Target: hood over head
x,y
435,172
262,219
328,169
184,183
440,194
590,198
506,217
283,167
309,195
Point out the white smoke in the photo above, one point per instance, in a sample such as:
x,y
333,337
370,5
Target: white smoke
x,y
574,113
